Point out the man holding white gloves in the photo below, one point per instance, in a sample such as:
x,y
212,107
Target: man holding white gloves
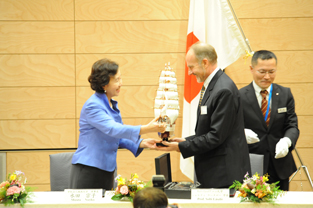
x,y
271,124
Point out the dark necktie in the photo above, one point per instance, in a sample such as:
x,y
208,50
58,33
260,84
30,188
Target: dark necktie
x,y
201,95
264,106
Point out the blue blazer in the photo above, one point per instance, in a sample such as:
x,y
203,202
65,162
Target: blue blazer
x,y
102,132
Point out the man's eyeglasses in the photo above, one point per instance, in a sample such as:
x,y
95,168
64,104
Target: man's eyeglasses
x,y
263,72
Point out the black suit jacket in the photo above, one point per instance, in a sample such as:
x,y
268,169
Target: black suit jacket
x,y
219,146
282,124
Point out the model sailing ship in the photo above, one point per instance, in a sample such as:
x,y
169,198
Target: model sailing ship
x,y
166,103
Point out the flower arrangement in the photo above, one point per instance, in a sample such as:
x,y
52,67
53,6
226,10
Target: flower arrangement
x,y
256,189
13,190
127,188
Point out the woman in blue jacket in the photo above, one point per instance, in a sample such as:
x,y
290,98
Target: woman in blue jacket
x,y
102,131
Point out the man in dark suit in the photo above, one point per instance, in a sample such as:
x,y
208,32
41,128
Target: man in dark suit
x,y
275,133
219,146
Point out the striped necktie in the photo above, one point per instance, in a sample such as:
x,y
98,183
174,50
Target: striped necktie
x,y
201,95
264,106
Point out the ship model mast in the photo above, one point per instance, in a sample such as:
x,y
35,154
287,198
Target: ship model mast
x,y
166,103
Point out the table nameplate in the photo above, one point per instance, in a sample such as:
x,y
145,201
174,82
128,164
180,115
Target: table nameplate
x,y
83,195
209,194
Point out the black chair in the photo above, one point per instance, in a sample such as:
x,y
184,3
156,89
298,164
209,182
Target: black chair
x,y
60,169
256,162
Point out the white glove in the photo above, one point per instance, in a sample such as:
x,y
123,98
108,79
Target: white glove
x,y
282,147
251,137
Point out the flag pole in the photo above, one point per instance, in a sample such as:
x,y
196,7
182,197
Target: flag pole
x,y
304,167
240,28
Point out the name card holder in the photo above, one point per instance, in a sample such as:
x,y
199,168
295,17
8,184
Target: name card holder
x,y
83,195
109,194
209,194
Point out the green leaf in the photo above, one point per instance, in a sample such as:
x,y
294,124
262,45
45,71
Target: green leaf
x,y
236,185
117,197
149,184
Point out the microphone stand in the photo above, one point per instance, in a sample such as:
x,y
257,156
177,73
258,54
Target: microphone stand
x,y
304,167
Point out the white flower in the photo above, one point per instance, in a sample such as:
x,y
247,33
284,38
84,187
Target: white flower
x,y
117,177
140,186
22,188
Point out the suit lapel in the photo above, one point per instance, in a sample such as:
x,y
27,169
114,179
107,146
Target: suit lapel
x,y
211,85
208,92
250,96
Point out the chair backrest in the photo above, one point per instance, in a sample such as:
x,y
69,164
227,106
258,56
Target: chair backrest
x,y
256,162
3,166
60,169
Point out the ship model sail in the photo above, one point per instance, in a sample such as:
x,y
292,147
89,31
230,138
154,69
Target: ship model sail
x,y
166,103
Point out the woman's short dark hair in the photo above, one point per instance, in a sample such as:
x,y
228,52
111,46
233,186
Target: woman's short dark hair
x,y
101,72
150,197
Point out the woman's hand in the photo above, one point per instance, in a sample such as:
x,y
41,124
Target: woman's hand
x,y
153,126
149,143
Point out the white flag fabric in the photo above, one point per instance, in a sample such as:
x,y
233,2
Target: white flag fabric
x,y
212,22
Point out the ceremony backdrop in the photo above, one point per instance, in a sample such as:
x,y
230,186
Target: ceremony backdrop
x,y
47,49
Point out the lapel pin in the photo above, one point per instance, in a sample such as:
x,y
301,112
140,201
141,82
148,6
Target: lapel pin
x,y
277,93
